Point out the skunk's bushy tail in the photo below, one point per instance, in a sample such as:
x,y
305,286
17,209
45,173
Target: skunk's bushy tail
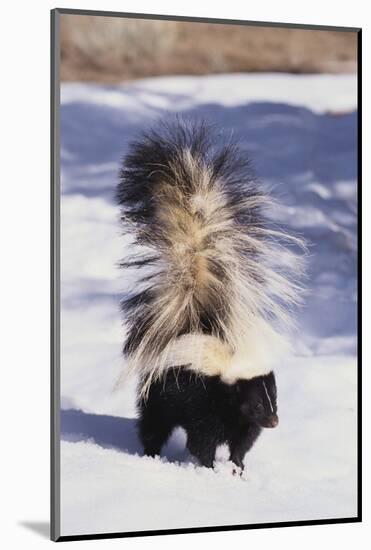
x,y
213,278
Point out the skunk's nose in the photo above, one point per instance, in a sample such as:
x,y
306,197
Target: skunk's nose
x,y
273,421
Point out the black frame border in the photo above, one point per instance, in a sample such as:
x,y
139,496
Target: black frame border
x,y
55,278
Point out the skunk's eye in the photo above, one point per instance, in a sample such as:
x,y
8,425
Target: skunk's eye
x,y
259,407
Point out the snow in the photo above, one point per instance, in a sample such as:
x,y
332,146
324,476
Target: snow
x,y
184,92
301,134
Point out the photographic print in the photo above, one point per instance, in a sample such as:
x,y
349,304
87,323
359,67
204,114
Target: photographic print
x,y
205,231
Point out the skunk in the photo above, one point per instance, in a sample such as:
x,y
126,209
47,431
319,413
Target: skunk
x,y
210,411
214,282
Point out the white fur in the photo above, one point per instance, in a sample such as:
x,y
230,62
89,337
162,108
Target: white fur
x,y
261,352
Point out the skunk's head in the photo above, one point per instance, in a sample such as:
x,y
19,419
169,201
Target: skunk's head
x,y
257,399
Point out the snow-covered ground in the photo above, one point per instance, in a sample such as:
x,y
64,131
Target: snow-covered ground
x,y
301,134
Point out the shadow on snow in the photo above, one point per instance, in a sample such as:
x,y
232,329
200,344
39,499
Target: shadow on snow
x,y
113,432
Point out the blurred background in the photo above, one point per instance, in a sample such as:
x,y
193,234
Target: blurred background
x,y
107,49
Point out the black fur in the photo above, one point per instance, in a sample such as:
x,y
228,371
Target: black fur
x,y
210,411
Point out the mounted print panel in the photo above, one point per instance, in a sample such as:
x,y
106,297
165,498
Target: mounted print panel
x,y
205,369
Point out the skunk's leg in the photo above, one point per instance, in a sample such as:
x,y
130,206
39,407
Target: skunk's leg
x,y
241,443
202,445
154,432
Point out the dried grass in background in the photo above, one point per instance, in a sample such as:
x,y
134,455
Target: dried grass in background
x,y
112,49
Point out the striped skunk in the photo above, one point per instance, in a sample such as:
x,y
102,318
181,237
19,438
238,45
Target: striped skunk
x,y
210,411
214,288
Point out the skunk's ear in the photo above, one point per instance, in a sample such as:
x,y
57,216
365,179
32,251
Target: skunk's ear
x,y
272,383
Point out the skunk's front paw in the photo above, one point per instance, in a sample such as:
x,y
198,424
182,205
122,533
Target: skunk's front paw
x,y
237,471
229,468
